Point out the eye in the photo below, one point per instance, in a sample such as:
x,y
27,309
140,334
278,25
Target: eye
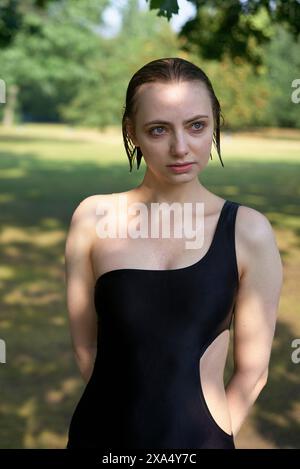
x,y
199,122
154,128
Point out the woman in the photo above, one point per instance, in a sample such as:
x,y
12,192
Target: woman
x,y
149,318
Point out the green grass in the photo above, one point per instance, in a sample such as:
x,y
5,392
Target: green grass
x,y
45,171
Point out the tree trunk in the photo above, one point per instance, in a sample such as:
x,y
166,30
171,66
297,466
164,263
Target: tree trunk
x,y
10,106
2,91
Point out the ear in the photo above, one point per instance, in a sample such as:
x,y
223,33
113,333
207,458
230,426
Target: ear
x,y
131,132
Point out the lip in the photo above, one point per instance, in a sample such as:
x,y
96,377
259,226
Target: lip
x,y
180,164
181,168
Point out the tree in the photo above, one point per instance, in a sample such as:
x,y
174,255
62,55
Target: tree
x,y
230,27
52,60
219,27
12,15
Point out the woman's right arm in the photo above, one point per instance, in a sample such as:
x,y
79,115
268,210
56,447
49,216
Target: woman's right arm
x,y
79,279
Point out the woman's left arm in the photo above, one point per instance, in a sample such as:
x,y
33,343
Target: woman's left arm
x,y
255,311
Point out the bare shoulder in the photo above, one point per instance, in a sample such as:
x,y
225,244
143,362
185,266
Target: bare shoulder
x,y
86,209
252,226
89,209
255,239
83,222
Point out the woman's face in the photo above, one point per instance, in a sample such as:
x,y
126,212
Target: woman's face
x,y
173,124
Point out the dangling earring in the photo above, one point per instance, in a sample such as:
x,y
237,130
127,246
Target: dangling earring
x,y
139,155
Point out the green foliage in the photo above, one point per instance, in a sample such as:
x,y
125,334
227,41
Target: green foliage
x,y
14,15
49,65
243,95
230,32
229,28
166,8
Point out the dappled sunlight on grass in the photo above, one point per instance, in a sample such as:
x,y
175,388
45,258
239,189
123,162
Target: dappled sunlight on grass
x,y
6,272
33,294
44,439
47,171
33,235
67,387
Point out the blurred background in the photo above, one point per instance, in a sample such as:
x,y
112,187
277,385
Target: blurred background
x,y
64,69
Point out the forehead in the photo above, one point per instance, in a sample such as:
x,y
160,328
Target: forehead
x,y
186,98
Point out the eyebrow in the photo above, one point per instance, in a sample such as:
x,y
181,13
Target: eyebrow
x,y
198,116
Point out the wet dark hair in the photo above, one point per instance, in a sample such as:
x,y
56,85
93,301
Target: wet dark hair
x,y
168,69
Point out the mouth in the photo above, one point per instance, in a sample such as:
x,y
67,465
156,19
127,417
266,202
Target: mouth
x,y
180,164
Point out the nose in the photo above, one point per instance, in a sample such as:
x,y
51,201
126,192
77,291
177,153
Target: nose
x,y
179,147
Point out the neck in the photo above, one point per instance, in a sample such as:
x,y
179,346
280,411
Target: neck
x,y
153,190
